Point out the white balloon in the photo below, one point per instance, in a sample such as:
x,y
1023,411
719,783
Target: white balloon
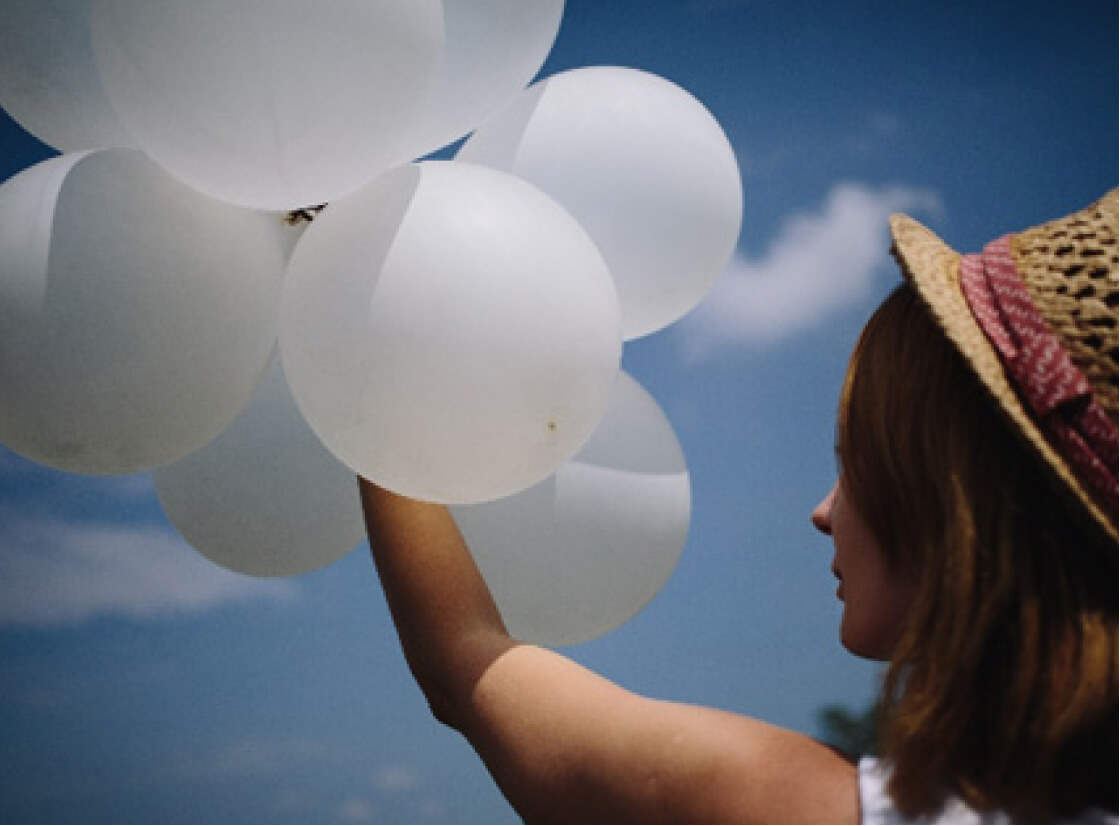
x,y
582,552
450,332
273,104
48,81
265,497
493,50
136,315
646,169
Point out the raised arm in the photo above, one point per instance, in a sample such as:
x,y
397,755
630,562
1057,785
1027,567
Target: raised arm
x,y
564,744
448,624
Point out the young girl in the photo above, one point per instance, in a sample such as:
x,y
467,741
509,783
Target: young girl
x,y
975,532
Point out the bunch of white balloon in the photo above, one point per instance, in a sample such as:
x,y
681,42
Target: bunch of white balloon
x,y
452,330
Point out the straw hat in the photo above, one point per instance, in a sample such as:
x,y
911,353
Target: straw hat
x,y
1035,316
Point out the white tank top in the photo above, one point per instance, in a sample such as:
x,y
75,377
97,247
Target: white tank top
x,y
876,806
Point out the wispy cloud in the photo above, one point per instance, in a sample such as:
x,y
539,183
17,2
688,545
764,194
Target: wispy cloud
x,y
55,572
243,757
400,783
821,262
356,810
396,777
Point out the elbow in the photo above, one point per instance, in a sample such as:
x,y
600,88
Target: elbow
x,y
449,684
439,692
442,709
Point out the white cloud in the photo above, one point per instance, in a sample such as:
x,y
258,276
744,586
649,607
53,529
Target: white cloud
x,y
356,810
54,572
396,777
820,263
257,756
433,810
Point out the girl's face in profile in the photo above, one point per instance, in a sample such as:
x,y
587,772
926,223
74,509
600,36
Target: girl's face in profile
x,y
875,596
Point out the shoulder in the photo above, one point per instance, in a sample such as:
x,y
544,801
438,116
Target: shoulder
x,y
750,771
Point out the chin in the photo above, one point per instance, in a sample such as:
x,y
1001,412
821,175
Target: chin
x,y
863,648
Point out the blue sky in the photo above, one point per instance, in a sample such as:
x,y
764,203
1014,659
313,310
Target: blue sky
x,y
140,683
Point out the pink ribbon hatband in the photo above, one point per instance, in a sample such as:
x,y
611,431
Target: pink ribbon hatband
x,y
1056,390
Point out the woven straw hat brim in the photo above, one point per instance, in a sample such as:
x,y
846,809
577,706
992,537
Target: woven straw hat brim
x,y
933,268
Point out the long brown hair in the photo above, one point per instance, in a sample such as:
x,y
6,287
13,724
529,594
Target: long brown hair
x,y
1003,685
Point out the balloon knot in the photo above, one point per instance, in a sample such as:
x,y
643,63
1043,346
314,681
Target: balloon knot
x,y
307,214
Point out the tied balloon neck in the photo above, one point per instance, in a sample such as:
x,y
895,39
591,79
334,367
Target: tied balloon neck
x,y
303,216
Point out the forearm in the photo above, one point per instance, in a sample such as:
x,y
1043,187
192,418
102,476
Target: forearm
x,y
449,627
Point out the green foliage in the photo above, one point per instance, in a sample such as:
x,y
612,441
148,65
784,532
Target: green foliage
x,y
852,732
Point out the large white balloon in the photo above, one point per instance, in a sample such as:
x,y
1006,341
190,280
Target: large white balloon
x,y
265,497
48,81
493,50
642,165
274,104
450,332
581,553
136,315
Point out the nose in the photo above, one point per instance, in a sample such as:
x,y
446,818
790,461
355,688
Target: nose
x,y
821,517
